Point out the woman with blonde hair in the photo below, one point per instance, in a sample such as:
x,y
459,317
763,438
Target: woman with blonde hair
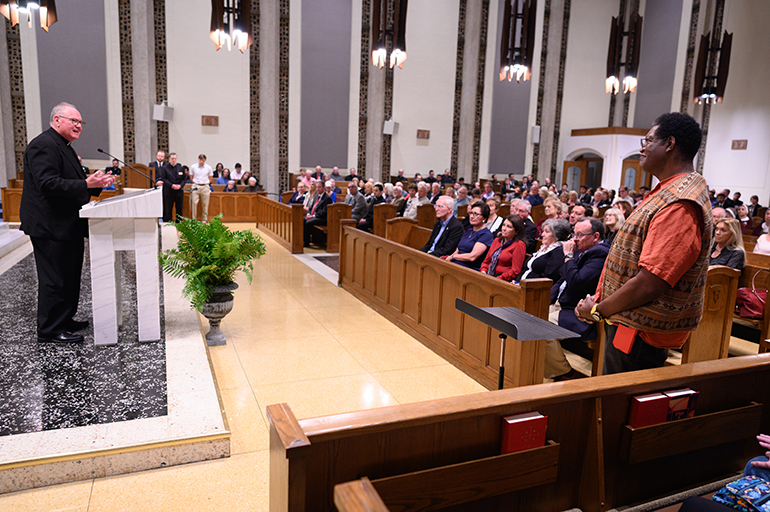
x,y
728,247
613,221
552,208
573,198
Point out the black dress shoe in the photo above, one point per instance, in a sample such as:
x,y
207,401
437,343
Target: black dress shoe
x,y
62,337
77,325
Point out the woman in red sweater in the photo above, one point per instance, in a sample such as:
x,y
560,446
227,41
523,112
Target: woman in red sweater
x,y
506,255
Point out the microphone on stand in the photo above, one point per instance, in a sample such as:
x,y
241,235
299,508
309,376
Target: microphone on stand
x,y
100,150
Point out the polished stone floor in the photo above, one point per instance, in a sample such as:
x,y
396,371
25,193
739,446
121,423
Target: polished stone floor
x,y
48,386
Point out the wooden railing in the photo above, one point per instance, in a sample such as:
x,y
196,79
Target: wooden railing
x,y
382,213
335,214
417,292
592,459
284,223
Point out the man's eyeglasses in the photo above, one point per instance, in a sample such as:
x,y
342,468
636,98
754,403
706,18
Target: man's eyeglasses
x,y
646,140
578,236
76,122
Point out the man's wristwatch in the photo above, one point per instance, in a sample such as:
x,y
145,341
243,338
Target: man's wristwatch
x,y
569,255
597,317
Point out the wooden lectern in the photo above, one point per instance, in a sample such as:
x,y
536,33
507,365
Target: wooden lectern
x,y
128,222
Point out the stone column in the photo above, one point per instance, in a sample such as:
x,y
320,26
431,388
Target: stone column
x,y
143,55
374,123
470,78
269,61
7,151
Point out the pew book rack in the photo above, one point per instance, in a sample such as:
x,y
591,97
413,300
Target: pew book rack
x,y
515,323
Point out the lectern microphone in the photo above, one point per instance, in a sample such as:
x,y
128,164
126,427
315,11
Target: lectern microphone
x,y
100,150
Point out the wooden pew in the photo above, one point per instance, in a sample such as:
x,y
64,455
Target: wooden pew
x,y
505,210
234,206
12,202
284,223
711,340
462,211
417,292
407,232
335,214
755,263
537,213
442,453
382,213
14,183
286,196
426,215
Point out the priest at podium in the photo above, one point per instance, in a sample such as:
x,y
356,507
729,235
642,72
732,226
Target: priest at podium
x,y
55,188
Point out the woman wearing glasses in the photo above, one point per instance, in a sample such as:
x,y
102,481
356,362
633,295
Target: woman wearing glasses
x,y
475,241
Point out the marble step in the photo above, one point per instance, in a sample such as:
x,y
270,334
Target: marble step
x,y
10,239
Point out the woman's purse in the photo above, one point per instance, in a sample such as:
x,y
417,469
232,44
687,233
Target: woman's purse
x,y
750,301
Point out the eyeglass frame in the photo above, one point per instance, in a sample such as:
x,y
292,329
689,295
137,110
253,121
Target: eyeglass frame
x,y
646,142
74,121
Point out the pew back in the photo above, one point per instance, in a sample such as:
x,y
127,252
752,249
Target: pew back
x,y
426,215
755,273
407,232
284,223
600,462
335,214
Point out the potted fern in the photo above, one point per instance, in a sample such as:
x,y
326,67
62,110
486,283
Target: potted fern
x,y
207,257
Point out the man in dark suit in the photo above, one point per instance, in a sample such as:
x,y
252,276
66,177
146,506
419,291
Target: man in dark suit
x,y
115,169
447,230
318,174
316,212
367,220
522,209
172,176
55,188
157,165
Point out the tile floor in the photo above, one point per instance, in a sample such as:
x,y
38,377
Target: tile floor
x,y
293,337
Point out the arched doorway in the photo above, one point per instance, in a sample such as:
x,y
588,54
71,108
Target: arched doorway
x,y
633,176
586,169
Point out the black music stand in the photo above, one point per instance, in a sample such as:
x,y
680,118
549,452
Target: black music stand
x,y
515,323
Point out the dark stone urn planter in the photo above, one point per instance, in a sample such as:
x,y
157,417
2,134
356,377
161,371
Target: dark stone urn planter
x,y
220,304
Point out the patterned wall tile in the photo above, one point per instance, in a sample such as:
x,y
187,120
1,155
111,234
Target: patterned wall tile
x,y
541,83
688,69
559,90
484,35
129,144
127,80
363,91
161,69
458,88
16,76
254,92
283,99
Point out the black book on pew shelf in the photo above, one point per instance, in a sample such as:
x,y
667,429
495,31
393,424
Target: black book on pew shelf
x,y
681,403
523,431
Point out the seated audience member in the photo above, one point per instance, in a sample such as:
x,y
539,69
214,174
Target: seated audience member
x,y
224,177
534,196
475,241
622,195
218,170
564,199
763,243
742,214
753,207
368,192
552,208
598,201
389,193
763,228
718,213
488,191
522,209
244,178
401,178
494,222
417,196
417,178
237,173
493,180
737,199
462,198
475,193
450,192
446,231
626,207
231,186
505,257
573,198
399,199
584,257
329,189
356,200
299,195
435,191
585,194
447,179
727,248
431,179
115,169
350,176
547,261
252,187
713,197
316,215
335,175
613,221
309,197
366,222
318,174
722,201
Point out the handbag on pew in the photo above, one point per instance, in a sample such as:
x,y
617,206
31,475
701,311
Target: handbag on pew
x,y
750,301
748,494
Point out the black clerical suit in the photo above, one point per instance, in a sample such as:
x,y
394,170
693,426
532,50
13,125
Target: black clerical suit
x,y
54,191
172,175
317,212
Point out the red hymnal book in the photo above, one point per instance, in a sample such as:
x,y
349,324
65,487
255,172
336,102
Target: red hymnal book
x,y
681,403
523,431
648,410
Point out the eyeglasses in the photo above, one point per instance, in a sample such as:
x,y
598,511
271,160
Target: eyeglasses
x,y
437,206
646,140
578,236
474,214
76,122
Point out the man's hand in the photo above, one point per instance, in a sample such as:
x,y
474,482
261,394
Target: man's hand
x,y
100,180
764,442
568,246
159,183
176,186
583,309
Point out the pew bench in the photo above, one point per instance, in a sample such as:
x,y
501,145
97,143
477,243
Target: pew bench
x,y
755,264
446,453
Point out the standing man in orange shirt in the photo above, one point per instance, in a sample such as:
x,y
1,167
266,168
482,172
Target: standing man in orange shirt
x,y
652,286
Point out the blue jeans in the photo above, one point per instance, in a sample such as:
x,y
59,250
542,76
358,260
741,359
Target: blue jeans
x,y
751,470
641,357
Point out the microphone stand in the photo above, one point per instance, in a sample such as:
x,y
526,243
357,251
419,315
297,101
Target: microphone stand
x,y
129,166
